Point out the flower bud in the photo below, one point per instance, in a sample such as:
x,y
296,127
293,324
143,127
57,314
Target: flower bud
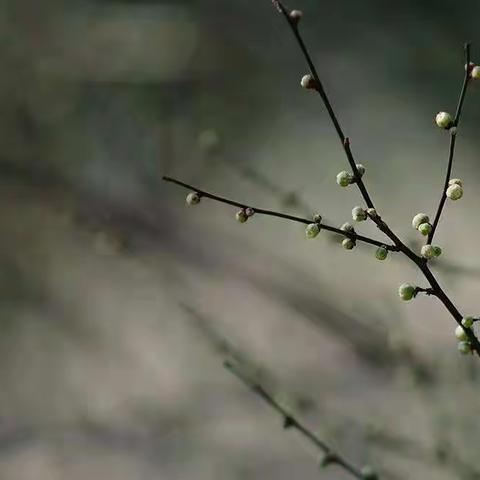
x,y
296,16
406,291
348,244
455,181
425,229
193,198
312,230
428,251
308,82
455,192
359,214
360,169
467,322
460,333
444,120
464,347
475,74
347,227
317,218
368,473
418,219
344,179
469,66
241,216
381,253
250,212
372,213
437,251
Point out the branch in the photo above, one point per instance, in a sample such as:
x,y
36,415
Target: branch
x,y
453,139
271,213
330,457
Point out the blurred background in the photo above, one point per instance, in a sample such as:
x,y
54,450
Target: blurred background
x,y
118,304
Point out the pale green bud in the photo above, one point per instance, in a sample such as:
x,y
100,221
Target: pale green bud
x,y
312,230
427,251
418,219
193,198
372,213
464,347
359,214
454,192
360,169
381,253
475,73
455,181
437,251
425,229
467,322
406,291
444,120
347,227
317,218
348,244
460,333
368,473
296,16
344,179
241,216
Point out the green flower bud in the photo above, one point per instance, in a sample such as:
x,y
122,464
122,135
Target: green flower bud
x,y
308,82
348,244
454,192
455,181
427,251
425,229
312,230
241,216
372,213
193,198
360,169
464,347
475,73
467,322
368,473
359,214
344,179
317,218
347,227
418,219
437,251
460,333
406,291
444,120
381,253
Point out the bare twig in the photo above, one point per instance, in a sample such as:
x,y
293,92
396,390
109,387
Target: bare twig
x,y
271,213
289,421
453,139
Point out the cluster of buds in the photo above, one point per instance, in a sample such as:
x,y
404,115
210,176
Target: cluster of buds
x,y
344,178
464,345
430,251
348,243
244,214
313,229
455,189
421,222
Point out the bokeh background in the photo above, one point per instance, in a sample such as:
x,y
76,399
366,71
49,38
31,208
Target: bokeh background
x,y
118,304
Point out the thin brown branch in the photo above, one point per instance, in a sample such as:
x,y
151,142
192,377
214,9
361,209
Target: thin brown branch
x,y
272,213
453,139
289,421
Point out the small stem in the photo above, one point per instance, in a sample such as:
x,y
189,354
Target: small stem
x,y
272,213
453,139
289,421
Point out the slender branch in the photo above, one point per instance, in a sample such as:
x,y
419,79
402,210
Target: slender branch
x,y
289,421
453,139
272,213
